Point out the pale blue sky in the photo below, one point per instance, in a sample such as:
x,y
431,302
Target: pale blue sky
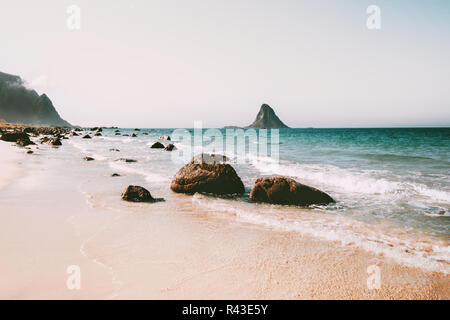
x,y
167,63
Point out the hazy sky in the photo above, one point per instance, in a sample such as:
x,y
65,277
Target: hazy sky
x,y
167,63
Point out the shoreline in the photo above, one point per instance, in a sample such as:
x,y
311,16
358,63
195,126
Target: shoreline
x,y
171,253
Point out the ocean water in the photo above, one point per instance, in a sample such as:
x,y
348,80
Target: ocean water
x,y
391,185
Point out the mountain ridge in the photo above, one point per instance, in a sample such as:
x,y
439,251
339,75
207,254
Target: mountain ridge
x,y
18,104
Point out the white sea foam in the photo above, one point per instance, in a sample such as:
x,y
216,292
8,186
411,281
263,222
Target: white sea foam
x,y
121,139
399,246
87,149
130,168
332,178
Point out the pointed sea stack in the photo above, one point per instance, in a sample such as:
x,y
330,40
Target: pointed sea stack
x,y
267,119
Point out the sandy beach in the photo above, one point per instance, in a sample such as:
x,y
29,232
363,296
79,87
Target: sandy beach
x,y
225,150
172,251
11,164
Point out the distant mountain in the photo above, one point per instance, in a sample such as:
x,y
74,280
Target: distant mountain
x,y
267,119
19,104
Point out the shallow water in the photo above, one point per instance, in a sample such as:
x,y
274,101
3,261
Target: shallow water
x,y
392,186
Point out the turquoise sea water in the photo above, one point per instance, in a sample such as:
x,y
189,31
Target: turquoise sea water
x,y
392,185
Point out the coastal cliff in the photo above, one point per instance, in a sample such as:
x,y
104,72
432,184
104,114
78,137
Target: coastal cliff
x,y
19,104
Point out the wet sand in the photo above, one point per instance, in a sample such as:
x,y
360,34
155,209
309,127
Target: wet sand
x,y
173,252
11,159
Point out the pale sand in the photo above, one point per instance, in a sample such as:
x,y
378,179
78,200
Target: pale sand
x,y
11,159
46,225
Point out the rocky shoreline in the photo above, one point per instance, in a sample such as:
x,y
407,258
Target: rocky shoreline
x,y
205,173
181,233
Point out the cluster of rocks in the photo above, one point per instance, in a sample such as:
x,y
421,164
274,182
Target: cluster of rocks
x,y
210,174
54,141
21,135
159,145
205,173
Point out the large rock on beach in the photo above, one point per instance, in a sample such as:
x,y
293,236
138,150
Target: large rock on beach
x,y
56,142
170,147
24,142
211,178
14,136
282,190
157,145
137,194
20,138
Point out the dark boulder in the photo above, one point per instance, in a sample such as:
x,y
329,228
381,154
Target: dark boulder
x,y
20,138
88,159
87,137
115,175
282,190
157,145
24,142
217,179
137,194
98,134
30,152
126,160
170,147
14,136
134,135
74,134
164,138
56,142
114,150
